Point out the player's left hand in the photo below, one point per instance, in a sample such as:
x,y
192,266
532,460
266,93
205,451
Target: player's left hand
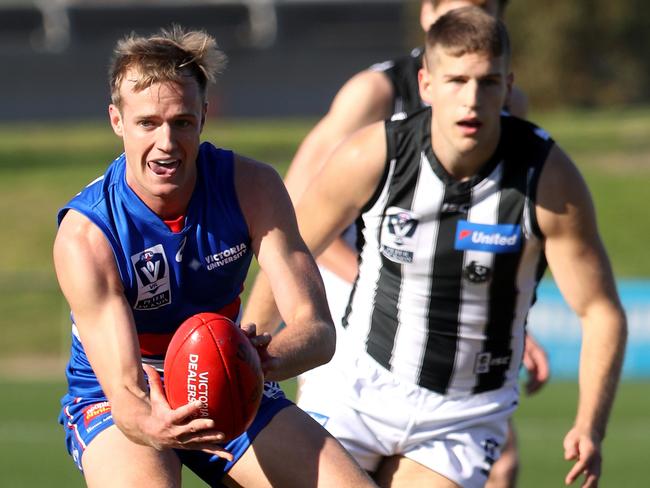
x,y
584,448
261,344
536,364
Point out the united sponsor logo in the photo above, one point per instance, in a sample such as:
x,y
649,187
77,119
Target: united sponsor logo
x,y
494,238
152,273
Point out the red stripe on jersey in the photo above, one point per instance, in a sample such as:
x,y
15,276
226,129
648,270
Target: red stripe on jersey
x,y
156,344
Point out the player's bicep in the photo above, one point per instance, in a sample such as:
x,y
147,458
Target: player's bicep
x,y
366,98
90,282
281,253
343,186
573,247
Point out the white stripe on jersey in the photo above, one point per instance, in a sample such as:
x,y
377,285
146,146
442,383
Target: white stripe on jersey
x,y
475,297
412,330
360,316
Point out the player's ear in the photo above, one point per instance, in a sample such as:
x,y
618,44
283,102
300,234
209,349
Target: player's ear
x,y
116,120
424,84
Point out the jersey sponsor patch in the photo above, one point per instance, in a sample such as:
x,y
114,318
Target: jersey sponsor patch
x,y
227,256
152,273
484,361
398,238
494,238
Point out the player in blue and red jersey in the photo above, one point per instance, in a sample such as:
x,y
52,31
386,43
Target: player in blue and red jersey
x,y
168,231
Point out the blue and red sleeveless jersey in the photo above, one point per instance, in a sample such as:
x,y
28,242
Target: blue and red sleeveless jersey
x,y
168,276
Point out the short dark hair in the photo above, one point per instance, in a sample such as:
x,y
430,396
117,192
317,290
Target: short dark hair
x,y
469,30
170,55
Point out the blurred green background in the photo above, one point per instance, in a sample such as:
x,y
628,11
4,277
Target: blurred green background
x,y
43,165
584,65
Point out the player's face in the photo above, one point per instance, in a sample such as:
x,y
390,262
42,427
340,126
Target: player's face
x,y
467,94
160,127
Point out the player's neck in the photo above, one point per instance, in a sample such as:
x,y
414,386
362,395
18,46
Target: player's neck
x,y
462,161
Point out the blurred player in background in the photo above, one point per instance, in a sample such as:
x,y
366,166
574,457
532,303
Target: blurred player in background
x,y
391,89
169,231
459,207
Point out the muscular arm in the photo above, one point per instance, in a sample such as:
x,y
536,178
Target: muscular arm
x,y
582,271
308,338
326,208
365,98
89,279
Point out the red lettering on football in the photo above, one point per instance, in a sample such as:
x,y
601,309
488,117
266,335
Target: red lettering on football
x,y
210,359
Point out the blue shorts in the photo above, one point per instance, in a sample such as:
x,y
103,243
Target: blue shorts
x,y
84,418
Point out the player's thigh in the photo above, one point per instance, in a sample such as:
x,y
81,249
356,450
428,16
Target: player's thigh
x,y
293,450
112,460
398,471
505,470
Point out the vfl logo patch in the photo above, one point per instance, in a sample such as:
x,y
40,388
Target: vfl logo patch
x,y
495,238
402,224
152,273
397,242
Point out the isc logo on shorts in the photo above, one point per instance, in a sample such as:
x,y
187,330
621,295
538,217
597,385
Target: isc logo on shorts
x,y
495,238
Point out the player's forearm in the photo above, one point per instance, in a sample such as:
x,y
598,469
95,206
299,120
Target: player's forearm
x,y
300,349
261,309
601,360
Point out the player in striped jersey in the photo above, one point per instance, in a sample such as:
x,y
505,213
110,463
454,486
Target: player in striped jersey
x,y
459,208
390,89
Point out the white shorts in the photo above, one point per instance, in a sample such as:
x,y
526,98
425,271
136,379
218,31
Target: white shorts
x,y
374,415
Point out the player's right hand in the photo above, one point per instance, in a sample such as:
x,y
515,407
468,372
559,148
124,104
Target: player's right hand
x,y
261,343
180,428
580,446
536,364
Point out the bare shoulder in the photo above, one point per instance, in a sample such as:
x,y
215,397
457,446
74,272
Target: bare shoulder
x,y
83,259
255,179
563,198
262,196
78,236
367,96
354,170
367,143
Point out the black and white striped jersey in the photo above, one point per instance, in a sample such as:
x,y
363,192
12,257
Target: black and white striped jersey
x,y
403,74
448,269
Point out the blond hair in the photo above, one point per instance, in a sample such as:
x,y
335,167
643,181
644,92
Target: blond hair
x,y
169,55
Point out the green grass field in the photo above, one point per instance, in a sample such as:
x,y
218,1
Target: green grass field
x,y
32,453
42,166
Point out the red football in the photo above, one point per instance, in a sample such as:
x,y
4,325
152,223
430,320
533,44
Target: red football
x,y
210,359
